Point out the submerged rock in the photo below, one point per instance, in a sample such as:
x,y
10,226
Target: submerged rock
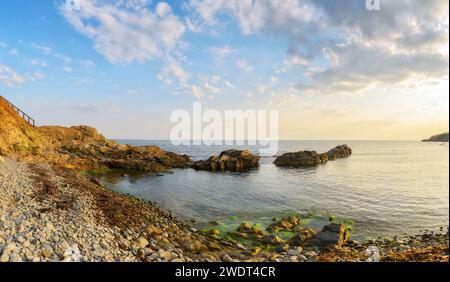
x,y
285,224
231,160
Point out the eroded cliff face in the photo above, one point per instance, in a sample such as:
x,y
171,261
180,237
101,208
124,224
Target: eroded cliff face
x,y
77,147
16,135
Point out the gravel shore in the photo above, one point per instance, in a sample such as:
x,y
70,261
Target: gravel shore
x,y
51,214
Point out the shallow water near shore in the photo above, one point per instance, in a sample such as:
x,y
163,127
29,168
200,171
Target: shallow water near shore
x,y
386,187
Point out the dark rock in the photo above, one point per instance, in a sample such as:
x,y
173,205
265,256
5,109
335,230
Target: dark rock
x,y
299,159
272,240
341,151
231,160
323,158
333,234
302,236
282,248
285,224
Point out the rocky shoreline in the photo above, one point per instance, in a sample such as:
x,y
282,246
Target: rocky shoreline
x,y
50,213
51,210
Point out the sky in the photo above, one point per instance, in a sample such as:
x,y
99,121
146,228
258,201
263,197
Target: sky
x,y
332,69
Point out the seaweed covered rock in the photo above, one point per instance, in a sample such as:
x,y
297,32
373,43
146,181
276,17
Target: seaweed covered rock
x,y
299,159
302,236
284,224
231,160
339,152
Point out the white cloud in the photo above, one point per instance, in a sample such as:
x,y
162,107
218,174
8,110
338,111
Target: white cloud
x,y
39,63
13,52
220,52
192,25
127,32
207,86
197,92
67,69
95,108
296,60
405,40
87,64
173,72
244,65
35,76
62,57
163,9
256,15
44,49
261,88
3,45
9,77
229,84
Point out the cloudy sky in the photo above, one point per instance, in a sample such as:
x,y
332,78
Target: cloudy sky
x,y
333,69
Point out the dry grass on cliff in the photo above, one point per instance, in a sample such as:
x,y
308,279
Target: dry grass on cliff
x,y
16,135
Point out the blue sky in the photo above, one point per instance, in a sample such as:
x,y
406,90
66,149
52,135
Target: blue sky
x,y
333,69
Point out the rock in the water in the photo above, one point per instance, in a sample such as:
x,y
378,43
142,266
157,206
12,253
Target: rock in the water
x,y
341,151
333,234
285,224
303,235
312,158
231,160
299,159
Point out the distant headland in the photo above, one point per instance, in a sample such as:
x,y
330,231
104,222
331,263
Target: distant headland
x,y
443,137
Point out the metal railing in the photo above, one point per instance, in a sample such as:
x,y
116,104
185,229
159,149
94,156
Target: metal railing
x,y
23,115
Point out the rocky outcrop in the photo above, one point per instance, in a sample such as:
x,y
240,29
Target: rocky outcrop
x,y
231,160
312,158
341,151
300,159
77,147
94,151
333,234
443,137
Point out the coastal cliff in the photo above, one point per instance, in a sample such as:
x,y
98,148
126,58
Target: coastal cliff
x,y
77,147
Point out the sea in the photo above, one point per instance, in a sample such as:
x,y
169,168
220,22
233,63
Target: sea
x,y
384,189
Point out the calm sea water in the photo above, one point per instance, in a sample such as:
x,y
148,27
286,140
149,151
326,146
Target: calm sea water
x,y
387,188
